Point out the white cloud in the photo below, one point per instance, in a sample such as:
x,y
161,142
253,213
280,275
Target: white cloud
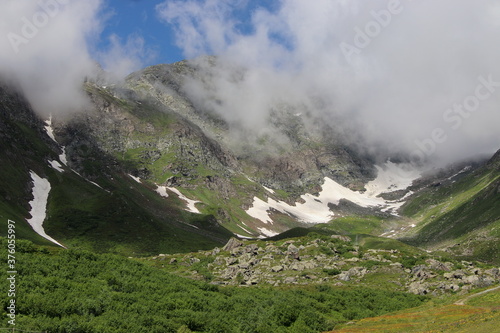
x,y
47,48
419,61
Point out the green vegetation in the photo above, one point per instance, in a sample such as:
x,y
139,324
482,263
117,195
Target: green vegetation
x,y
79,291
464,212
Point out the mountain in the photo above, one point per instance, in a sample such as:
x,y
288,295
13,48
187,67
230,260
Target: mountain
x,y
90,202
151,167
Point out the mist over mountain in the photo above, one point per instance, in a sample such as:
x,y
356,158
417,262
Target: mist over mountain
x,y
418,77
48,48
396,77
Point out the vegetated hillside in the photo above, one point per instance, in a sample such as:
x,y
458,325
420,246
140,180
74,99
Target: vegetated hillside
x,y
98,208
321,257
460,215
79,291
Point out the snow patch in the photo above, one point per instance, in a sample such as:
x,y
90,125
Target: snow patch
x,y
94,183
190,203
41,190
162,190
269,190
243,237
63,157
266,233
49,129
315,209
56,165
392,177
467,168
137,179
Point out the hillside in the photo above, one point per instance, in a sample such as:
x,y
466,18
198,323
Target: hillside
x,y
90,202
460,215
73,290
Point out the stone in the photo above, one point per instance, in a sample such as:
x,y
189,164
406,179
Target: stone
x,y
277,268
309,264
342,238
458,274
194,260
418,288
229,273
297,266
344,276
232,244
437,265
252,248
231,261
290,279
494,272
293,251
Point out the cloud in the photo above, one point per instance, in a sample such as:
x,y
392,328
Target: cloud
x,y
390,70
121,59
47,48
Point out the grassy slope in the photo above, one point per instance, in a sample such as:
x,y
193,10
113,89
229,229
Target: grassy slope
x,y
129,218
479,314
463,212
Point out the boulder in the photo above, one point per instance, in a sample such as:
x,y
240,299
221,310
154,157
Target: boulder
x,y
232,244
418,288
276,269
342,238
437,265
344,276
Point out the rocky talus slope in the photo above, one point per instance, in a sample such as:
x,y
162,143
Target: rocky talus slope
x,y
335,260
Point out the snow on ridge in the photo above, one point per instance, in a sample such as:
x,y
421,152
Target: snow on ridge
x,y
62,157
467,168
190,203
49,129
269,190
56,165
41,190
314,209
137,179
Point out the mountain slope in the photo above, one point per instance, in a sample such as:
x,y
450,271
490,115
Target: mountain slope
x,y
461,215
100,207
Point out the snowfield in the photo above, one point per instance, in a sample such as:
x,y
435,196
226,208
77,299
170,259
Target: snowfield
x,y
41,190
314,209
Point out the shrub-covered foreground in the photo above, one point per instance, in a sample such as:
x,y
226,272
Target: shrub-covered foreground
x,y
76,291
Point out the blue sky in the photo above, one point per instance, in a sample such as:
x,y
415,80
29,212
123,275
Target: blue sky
x,y
141,18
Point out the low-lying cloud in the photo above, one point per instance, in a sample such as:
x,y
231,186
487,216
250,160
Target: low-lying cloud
x,y
405,74
47,48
